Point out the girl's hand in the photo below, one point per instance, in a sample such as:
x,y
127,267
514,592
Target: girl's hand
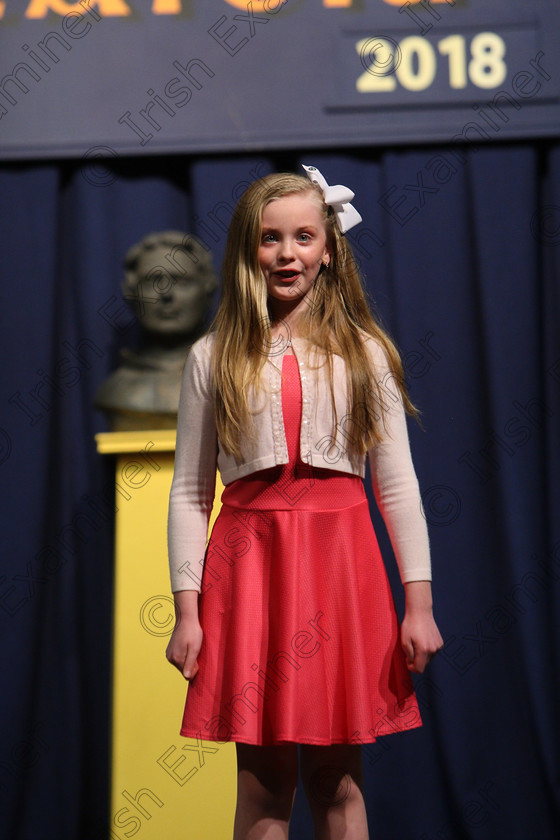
x,y
420,637
186,639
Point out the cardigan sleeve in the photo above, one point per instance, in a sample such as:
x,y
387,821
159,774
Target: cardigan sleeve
x,y
394,480
192,490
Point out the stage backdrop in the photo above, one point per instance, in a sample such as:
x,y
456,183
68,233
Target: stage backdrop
x,y
465,275
112,77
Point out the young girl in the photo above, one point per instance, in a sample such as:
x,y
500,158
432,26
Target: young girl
x,y
286,627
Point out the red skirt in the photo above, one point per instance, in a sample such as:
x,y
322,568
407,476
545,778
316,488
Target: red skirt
x,y
301,638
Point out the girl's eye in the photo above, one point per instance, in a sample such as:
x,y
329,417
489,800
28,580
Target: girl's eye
x,y
268,237
305,237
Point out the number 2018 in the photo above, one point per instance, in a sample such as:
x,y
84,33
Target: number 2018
x,y
416,62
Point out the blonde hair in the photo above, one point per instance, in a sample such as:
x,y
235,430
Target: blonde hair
x,y
336,321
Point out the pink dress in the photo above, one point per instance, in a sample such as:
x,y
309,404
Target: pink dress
x,y
301,638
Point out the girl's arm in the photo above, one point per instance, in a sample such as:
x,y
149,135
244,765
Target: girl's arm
x,y
420,637
186,639
194,480
397,494
190,504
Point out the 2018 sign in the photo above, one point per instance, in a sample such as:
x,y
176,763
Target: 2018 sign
x,y
413,63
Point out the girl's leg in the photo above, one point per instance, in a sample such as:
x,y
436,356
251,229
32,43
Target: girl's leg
x,y
266,786
333,782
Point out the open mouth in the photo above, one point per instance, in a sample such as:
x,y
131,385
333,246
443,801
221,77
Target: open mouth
x,y
288,276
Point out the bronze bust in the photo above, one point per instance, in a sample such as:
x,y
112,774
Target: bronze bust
x,y
168,283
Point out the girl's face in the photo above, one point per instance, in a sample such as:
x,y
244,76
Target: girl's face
x,y
293,245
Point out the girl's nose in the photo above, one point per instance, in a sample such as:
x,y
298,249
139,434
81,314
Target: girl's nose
x,y
286,249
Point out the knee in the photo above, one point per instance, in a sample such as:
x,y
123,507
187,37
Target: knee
x,y
269,782
331,788
272,797
332,777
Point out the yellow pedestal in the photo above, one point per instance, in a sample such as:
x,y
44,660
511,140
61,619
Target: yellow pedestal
x,y
163,785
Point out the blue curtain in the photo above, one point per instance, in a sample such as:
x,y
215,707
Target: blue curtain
x,y
460,249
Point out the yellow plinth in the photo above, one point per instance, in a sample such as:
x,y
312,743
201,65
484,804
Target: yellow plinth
x,y
163,785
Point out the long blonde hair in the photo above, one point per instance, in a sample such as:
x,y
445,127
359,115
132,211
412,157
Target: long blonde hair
x,y
335,322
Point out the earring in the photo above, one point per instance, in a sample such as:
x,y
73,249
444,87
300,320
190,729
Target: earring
x,y
326,263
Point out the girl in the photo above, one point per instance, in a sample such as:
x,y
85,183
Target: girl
x,y
286,627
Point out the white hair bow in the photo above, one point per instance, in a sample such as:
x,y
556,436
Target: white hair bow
x,y
338,197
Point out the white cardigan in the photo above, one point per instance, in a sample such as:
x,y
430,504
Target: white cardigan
x,y
199,453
